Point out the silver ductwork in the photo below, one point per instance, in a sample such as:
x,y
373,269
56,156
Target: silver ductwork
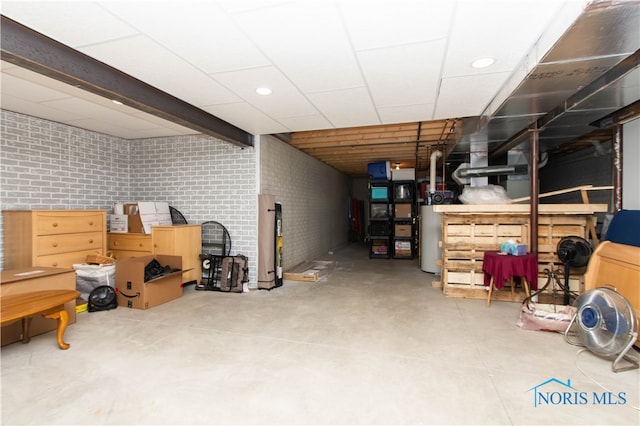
x,y
464,172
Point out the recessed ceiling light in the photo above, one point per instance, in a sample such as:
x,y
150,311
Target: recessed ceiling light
x,y
263,91
483,62
117,102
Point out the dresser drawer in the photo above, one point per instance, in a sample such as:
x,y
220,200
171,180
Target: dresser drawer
x,y
54,244
58,222
126,254
64,259
130,242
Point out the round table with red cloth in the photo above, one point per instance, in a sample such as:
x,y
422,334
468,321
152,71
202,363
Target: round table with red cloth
x,y
504,266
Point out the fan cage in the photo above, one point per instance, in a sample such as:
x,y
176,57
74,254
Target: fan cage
x,y
606,324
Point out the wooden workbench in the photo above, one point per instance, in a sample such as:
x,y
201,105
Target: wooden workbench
x,y
470,230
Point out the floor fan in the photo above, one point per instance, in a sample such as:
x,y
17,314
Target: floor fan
x,y
574,252
606,324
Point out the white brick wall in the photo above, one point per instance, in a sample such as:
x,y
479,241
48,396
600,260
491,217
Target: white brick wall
x,y
204,178
314,198
47,165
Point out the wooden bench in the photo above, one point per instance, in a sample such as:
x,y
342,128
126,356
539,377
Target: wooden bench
x,y
47,303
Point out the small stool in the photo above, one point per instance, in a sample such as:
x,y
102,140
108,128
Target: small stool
x,y
500,267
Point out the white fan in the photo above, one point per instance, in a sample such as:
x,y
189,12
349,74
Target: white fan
x,y
605,323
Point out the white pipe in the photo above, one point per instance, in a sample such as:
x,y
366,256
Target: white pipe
x,y
432,171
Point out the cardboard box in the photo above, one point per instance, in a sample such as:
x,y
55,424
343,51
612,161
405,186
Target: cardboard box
x,y
134,223
118,223
145,214
402,230
403,174
134,292
403,210
402,248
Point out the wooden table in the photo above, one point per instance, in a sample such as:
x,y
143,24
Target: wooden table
x,y
499,267
47,303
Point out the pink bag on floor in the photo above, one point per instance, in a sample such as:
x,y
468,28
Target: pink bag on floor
x,y
545,317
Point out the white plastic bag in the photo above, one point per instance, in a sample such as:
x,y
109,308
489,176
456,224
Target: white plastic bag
x,y
89,277
489,194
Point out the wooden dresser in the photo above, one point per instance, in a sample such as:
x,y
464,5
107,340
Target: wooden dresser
x,y
54,238
175,240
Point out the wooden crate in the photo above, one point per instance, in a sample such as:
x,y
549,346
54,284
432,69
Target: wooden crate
x,y
469,231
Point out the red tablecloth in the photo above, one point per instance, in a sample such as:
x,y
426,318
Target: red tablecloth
x,y
504,266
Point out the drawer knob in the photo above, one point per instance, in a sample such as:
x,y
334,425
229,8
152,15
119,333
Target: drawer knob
x,y
55,264
55,224
115,243
91,223
55,244
140,245
91,241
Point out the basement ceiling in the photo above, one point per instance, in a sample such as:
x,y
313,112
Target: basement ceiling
x,y
385,79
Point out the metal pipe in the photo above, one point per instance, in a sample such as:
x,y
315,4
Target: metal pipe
x,y
617,168
432,171
533,212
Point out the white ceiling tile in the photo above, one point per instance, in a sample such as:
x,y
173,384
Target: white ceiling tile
x,y
24,106
236,6
467,96
87,108
404,74
74,23
346,108
115,129
479,25
220,45
246,117
285,101
336,63
308,40
148,61
13,85
374,24
406,113
306,122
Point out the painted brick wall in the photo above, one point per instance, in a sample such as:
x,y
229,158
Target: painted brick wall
x,y
47,165
204,178
314,198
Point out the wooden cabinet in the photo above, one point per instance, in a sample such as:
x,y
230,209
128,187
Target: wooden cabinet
x,y
176,240
53,238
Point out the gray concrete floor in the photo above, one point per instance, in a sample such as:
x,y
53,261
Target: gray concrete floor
x,y
374,343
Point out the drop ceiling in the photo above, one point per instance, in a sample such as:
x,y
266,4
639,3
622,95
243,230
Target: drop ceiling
x,y
338,65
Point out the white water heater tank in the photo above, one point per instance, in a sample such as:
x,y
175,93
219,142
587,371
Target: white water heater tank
x,y
430,236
